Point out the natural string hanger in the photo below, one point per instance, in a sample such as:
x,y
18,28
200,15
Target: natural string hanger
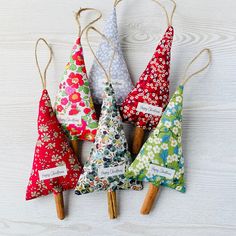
x,y
44,74
108,75
117,2
187,78
77,17
169,19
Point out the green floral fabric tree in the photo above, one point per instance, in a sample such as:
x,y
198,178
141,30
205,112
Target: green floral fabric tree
x,y
160,160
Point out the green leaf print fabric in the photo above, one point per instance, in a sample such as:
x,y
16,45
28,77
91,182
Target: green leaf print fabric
x,y
109,157
160,160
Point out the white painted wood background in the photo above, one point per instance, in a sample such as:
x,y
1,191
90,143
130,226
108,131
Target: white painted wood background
x,y
209,205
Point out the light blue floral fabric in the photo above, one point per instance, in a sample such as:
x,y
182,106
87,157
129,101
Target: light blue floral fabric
x,y
120,77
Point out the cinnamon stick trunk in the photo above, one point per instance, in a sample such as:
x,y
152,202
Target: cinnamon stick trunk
x,y
112,204
75,147
149,199
138,140
59,205
153,190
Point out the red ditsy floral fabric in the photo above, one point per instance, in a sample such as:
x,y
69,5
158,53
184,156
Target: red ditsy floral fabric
x,y
152,87
52,150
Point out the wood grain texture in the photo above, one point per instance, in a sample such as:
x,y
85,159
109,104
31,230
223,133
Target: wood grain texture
x,y
208,207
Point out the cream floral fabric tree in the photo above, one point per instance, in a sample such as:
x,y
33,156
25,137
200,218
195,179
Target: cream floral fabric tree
x,y
109,153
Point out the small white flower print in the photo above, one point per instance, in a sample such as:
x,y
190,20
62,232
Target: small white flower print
x,y
39,143
145,158
64,146
180,139
76,167
171,105
180,150
179,188
175,130
177,123
156,149
43,128
158,140
51,145
56,157
164,146
140,166
169,159
71,159
35,194
179,99
149,147
168,113
45,137
177,175
157,131
151,139
150,155
173,143
175,157
167,124
61,163
45,97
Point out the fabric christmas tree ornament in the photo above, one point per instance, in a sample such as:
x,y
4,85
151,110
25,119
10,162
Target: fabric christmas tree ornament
x,y
120,76
145,103
163,149
161,160
55,168
74,106
109,157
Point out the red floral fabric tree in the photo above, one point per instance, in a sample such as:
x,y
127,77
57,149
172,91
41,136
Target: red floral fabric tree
x,y
52,151
144,104
55,167
74,106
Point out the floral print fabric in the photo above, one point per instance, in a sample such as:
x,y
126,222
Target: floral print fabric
x,y
52,150
121,80
110,150
163,148
152,87
74,105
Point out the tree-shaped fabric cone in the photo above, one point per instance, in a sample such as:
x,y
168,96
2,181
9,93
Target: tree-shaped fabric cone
x,y
55,168
160,160
74,106
145,103
120,76
109,158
